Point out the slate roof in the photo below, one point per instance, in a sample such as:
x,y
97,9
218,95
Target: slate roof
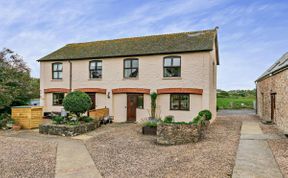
x,y
137,46
279,65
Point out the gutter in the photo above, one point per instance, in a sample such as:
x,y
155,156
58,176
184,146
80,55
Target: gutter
x,y
272,73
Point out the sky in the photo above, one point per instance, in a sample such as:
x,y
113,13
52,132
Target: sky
x,y
252,34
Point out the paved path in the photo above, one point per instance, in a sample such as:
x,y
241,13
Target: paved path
x,y
254,157
73,161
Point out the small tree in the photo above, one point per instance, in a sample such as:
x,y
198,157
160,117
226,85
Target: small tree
x,y
77,102
153,97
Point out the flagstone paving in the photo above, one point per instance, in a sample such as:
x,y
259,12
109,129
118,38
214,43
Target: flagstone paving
x,y
73,160
254,157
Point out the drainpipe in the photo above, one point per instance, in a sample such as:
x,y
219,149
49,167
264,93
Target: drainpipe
x,y
256,99
70,75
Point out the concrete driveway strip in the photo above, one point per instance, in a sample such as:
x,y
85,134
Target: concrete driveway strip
x,y
74,161
254,157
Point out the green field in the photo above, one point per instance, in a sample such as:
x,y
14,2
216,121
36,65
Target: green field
x,y
235,103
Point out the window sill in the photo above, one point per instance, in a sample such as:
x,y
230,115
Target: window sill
x,y
94,79
131,78
179,110
56,80
172,78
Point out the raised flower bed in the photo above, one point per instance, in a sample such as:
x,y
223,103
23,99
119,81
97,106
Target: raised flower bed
x,y
174,133
68,130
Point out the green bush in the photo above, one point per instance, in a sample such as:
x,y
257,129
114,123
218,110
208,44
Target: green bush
x,y
197,120
4,119
150,124
206,113
58,119
183,123
77,102
169,119
86,119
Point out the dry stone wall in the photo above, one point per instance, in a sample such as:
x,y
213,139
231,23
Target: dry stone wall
x,y
173,134
68,130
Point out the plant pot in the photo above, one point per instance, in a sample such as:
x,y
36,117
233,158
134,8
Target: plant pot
x,y
149,130
9,125
16,127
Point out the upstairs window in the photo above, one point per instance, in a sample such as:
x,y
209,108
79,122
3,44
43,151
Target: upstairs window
x,y
58,99
95,68
130,68
179,102
57,69
172,67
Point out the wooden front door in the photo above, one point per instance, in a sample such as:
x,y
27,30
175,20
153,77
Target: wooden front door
x,y
273,106
93,99
131,107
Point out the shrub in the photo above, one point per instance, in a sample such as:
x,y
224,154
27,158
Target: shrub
x,y
86,119
77,102
206,113
183,123
58,119
197,120
169,119
150,124
4,119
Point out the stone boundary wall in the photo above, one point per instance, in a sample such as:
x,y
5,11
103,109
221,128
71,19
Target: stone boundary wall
x,y
274,84
174,134
68,130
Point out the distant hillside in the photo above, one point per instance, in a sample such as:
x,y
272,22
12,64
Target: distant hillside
x,y
236,99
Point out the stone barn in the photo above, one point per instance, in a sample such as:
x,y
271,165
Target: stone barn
x,y
272,93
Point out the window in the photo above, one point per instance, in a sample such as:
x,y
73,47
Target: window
x,y
140,102
58,99
172,67
95,68
57,70
179,102
130,68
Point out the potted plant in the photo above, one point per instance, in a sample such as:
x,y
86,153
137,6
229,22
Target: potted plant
x,y
10,123
150,127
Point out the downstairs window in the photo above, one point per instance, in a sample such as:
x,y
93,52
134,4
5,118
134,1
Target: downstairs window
x,y
180,102
58,99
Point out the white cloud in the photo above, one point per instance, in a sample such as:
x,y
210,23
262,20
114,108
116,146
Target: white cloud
x,y
35,28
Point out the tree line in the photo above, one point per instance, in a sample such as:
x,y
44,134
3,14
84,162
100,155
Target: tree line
x,y
236,93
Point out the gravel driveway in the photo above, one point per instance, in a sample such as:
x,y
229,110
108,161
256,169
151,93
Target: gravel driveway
x,y
26,158
122,151
226,112
279,147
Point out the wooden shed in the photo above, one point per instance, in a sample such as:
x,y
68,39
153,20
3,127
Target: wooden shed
x,y
28,117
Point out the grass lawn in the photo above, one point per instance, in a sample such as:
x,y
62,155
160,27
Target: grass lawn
x,y
235,103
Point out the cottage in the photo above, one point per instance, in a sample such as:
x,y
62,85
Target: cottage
x,y
272,98
120,74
